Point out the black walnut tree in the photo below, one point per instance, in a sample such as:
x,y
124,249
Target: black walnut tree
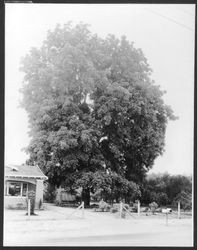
x,y
93,111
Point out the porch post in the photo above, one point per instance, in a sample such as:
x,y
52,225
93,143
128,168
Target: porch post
x,y
21,189
7,188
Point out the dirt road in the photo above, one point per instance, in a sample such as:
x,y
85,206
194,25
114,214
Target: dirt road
x,y
51,228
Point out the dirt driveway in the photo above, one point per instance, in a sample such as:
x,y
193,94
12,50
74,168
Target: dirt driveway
x,y
52,228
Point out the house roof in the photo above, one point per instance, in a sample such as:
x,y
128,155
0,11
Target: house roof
x,y
24,171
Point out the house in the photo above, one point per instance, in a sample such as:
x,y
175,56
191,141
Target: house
x,y
18,181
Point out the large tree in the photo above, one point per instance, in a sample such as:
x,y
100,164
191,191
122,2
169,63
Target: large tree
x,y
92,108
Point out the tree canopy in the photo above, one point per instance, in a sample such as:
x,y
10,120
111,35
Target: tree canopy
x,y
93,109
167,189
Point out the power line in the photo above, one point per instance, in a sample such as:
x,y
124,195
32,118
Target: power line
x,y
185,11
170,19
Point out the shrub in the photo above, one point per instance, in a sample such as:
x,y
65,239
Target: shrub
x,y
135,207
153,206
104,206
49,193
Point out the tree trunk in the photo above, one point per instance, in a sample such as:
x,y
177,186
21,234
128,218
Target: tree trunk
x,y
86,197
126,200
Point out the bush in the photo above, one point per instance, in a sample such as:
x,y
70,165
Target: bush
x,y
153,206
134,208
49,193
104,206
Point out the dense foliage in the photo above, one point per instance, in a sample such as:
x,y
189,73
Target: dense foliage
x,y
167,189
93,110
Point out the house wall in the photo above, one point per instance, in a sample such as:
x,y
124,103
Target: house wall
x,y
39,194
15,202
18,201
31,182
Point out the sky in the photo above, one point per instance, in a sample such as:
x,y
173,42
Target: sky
x,y
164,32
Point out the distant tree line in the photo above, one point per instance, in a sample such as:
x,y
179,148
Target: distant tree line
x,y
162,189
167,189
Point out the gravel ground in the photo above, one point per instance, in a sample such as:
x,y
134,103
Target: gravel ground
x,y
53,227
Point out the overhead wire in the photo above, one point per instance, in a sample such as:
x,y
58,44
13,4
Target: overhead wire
x,y
185,11
170,19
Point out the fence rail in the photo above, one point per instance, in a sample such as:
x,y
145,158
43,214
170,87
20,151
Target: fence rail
x,y
77,209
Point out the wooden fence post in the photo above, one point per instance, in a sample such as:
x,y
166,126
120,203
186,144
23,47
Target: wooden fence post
x,y
179,209
28,208
78,208
166,219
82,209
138,207
121,209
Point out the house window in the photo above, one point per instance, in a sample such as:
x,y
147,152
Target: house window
x,y
24,189
14,189
17,188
